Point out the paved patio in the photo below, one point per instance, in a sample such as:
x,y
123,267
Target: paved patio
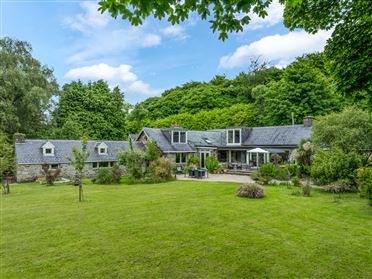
x,y
221,178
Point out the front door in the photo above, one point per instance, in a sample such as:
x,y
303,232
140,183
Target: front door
x,y
203,156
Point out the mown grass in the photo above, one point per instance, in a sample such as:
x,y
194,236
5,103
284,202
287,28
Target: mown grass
x,y
182,229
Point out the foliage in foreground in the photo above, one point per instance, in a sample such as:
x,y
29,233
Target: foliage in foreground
x,y
250,190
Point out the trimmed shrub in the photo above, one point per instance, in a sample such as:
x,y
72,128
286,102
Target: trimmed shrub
x,y
253,191
330,166
211,163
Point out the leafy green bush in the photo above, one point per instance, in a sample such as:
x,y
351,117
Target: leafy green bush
x,y
194,161
160,169
133,159
116,173
266,173
364,180
250,190
211,163
330,166
365,183
270,171
296,181
104,176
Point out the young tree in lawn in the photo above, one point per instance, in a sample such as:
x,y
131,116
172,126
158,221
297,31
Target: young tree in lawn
x,y
6,162
78,162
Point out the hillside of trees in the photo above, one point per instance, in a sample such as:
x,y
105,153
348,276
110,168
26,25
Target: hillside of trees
x,y
32,102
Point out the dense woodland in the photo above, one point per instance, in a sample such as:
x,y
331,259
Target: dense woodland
x,y
32,102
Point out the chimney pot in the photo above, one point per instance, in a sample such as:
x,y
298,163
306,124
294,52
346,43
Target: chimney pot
x,y
19,138
308,121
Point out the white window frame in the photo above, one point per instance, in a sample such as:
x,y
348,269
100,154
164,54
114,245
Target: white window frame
x,y
179,137
234,143
48,146
103,146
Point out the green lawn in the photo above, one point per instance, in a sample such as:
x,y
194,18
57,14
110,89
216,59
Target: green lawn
x,y
182,230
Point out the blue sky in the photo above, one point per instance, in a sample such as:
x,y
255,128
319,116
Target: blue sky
x,y
79,43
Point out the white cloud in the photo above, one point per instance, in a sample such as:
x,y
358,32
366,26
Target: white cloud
x,y
121,76
89,20
274,16
175,31
103,37
280,49
112,42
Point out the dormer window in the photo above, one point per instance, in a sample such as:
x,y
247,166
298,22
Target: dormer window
x,y
179,137
48,149
102,148
234,136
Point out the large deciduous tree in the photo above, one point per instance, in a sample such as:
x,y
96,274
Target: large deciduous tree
x,y
26,88
90,109
348,131
304,89
348,52
6,162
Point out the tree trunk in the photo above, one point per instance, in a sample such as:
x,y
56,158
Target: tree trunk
x,y
80,192
5,186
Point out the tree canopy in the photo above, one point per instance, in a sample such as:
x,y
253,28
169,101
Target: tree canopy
x,y
90,109
349,131
26,88
224,15
348,52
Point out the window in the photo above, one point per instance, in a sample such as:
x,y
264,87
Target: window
x,y
95,165
179,137
233,136
54,166
222,155
181,158
48,151
230,136
103,164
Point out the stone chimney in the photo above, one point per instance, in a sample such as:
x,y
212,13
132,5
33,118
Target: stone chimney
x,y
19,138
308,121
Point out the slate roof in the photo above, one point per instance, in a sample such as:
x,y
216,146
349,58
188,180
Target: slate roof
x,y
272,136
30,152
277,135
